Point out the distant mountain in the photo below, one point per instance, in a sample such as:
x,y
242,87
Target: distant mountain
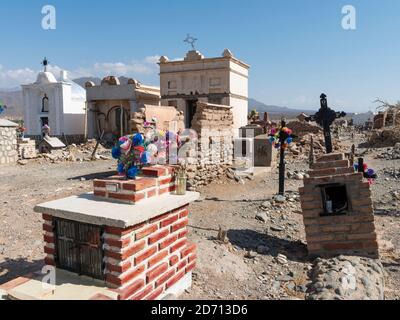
x,y
12,98
277,111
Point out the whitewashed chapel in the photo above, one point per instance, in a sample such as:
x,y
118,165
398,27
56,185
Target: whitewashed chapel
x,y
57,103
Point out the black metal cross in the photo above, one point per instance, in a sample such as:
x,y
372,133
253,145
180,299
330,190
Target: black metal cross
x,y
325,117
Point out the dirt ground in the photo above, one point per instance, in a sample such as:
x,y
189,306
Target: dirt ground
x,y
225,270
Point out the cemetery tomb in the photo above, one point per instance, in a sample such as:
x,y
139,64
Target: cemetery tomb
x,y
337,209
126,241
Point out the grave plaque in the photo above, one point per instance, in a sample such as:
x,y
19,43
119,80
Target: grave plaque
x,y
264,152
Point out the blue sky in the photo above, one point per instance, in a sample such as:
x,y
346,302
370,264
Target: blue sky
x,y
296,48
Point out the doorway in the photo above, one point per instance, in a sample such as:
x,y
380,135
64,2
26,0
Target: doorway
x,y
191,108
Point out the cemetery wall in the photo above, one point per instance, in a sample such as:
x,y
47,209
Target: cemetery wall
x,y
215,138
8,145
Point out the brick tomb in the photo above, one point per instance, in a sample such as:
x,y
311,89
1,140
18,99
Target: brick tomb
x,y
131,235
337,209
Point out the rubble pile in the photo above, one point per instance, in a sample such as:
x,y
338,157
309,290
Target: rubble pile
x,y
75,153
347,278
387,137
301,128
301,148
391,153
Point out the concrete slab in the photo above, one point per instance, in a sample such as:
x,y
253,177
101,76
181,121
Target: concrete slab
x,y
69,286
89,209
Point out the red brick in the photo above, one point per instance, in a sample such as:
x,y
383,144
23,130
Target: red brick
x,y
139,185
155,171
126,253
330,164
156,272
131,289
123,232
125,278
165,181
123,243
183,234
180,225
173,260
145,255
151,193
127,197
163,191
99,183
47,217
159,218
175,279
155,294
49,250
157,258
169,220
190,248
158,236
124,267
48,228
167,242
192,257
99,193
146,231
184,214
165,277
190,267
146,291
181,265
48,239
330,157
342,246
49,261
178,245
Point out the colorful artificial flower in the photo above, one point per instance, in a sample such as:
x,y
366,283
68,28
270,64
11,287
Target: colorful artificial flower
x,y
116,152
281,137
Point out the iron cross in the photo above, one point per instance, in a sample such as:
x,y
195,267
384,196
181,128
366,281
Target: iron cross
x,y
325,117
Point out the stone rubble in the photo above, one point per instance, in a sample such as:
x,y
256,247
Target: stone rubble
x,y
347,278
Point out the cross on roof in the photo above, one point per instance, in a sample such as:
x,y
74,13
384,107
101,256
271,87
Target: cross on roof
x,y
190,40
45,63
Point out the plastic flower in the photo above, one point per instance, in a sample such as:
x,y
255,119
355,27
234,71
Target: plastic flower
x,y
133,172
121,168
126,146
116,152
152,149
145,158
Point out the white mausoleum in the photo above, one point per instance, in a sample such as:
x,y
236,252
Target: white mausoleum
x,y
221,80
57,103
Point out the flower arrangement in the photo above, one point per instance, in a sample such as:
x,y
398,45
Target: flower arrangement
x,y
369,173
131,154
277,135
139,150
